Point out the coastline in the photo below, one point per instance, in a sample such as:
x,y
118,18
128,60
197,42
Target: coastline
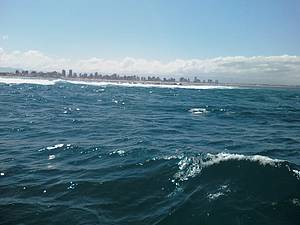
x,y
144,83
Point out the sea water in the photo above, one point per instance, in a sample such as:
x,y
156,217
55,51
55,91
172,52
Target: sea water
x,y
98,153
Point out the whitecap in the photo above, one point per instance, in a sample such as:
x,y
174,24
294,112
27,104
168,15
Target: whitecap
x,y
198,111
222,190
51,157
147,85
119,152
13,80
215,195
192,166
55,146
188,167
172,157
40,81
296,201
212,159
297,173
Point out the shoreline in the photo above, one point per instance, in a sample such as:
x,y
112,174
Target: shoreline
x,y
149,83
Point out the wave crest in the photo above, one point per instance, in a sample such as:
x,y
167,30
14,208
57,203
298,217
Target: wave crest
x,y
27,81
192,166
16,80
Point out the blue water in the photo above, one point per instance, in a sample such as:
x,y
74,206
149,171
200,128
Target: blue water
x,y
84,154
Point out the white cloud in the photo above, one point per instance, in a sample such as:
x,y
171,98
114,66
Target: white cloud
x,y
282,69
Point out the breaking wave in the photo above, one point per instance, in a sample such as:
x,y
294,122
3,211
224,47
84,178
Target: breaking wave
x,y
27,81
104,83
221,188
189,167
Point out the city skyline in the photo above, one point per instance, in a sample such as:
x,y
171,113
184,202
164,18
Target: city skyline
x,y
110,77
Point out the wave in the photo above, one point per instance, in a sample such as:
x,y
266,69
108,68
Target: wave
x,y
223,184
197,111
189,167
27,81
212,159
128,84
224,188
104,83
55,146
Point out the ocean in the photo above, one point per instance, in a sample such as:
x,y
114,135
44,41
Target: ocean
x,y
97,153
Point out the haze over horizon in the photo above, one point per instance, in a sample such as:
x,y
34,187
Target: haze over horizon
x,y
233,41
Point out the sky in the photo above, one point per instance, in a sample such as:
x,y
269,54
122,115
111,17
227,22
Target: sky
x,y
232,40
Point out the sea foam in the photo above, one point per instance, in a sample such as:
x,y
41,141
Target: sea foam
x,y
55,146
127,84
14,80
221,157
7,80
192,166
196,111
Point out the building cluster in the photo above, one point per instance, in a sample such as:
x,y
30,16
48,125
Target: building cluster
x,y
107,77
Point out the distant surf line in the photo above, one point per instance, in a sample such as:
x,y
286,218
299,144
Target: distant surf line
x,y
39,81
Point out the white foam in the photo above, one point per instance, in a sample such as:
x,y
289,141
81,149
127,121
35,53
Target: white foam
x,y
297,173
55,146
198,111
296,201
222,190
212,159
188,167
51,157
215,195
10,80
171,157
13,80
128,84
192,166
119,152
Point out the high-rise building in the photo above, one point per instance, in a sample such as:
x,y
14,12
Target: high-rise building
x,y
63,72
70,73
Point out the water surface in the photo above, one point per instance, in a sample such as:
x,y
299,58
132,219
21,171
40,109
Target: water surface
x,y
104,154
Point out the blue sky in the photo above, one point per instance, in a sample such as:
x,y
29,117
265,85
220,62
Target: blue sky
x,y
151,29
